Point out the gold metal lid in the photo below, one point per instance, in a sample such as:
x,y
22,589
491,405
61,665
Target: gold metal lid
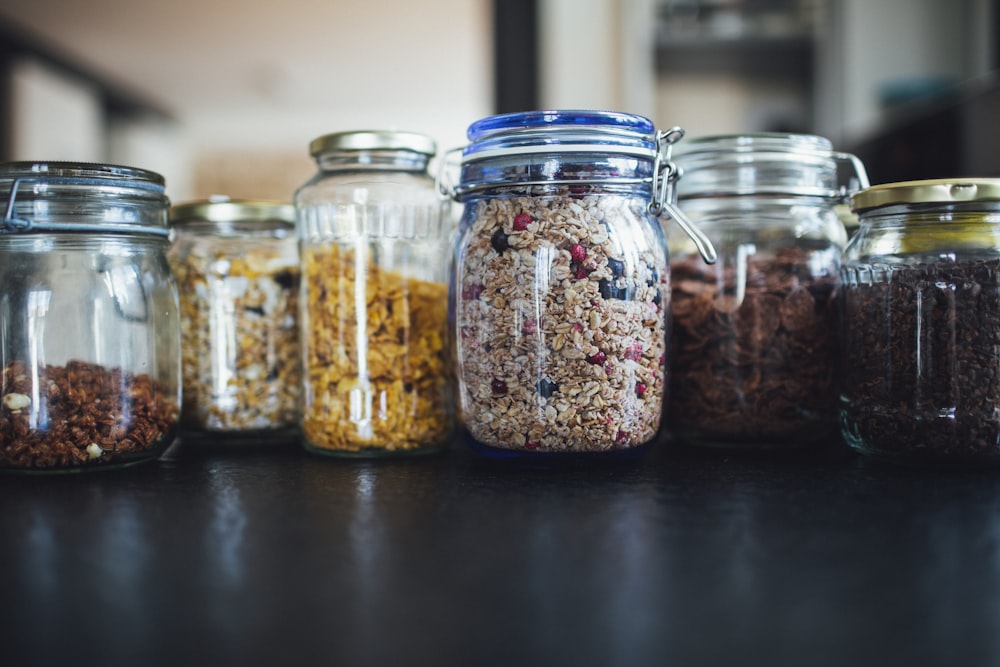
x,y
220,208
373,140
934,191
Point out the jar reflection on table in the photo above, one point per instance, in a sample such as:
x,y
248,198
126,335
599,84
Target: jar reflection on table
x,y
754,337
89,330
375,247
237,267
921,329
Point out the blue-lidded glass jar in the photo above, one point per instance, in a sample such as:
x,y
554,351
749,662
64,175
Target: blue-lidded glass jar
x,y
561,284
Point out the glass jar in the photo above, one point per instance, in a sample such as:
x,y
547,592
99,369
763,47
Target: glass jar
x,y
236,264
375,245
89,333
921,300
754,336
561,284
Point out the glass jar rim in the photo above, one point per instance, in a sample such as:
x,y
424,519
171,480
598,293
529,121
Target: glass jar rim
x,y
115,175
946,191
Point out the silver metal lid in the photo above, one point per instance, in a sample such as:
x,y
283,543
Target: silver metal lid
x,y
933,191
222,209
373,140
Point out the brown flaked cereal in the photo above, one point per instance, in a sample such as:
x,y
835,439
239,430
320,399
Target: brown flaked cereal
x,y
376,378
560,322
80,415
754,365
239,334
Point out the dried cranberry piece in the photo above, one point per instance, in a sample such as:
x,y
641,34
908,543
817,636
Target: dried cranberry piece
x,y
472,292
598,358
498,387
577,252
640,389
521,222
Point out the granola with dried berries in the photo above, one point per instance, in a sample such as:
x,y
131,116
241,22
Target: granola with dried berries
x,y
753,357
560,322
376,377
239,336
81,415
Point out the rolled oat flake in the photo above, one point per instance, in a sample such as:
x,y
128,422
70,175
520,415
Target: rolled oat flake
x,y
561,283
921,305
89,332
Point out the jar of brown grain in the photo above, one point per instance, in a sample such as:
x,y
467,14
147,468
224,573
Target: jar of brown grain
x,y
89,333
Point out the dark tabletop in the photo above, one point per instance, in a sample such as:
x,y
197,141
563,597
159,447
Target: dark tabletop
x,y
277,556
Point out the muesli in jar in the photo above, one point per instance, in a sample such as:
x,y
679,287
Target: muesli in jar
x,y
236,266
561,285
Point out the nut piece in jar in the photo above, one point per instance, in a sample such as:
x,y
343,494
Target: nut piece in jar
x,y
378,377
561,333
86,415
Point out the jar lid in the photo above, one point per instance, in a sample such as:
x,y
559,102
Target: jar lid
x,y
373,140
103,198
767,163
932,191
560,131
222,209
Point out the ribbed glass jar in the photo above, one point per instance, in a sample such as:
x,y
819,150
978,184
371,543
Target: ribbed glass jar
x,y
561,286
375,244
89,331
236,264
921,329
753,361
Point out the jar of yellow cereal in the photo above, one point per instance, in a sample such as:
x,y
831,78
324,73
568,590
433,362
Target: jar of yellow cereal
x,y
236,266
374,239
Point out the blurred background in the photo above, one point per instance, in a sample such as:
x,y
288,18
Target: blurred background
x,y
223,96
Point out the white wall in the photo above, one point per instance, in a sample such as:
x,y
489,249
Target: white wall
x,y
54,116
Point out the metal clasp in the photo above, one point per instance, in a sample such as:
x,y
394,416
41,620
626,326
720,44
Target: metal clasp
x,y
664,193
859,181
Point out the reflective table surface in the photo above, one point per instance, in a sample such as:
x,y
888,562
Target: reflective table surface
x,y
276,556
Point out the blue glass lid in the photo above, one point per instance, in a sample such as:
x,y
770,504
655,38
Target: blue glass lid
x,y
560,130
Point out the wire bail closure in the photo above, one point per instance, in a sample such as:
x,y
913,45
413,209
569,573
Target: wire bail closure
x,y
664,193
15,225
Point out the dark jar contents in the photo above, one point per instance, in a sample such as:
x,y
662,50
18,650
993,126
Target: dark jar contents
x,y
89,322
921,330
753,361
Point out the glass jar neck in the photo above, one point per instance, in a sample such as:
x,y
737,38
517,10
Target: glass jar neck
x,y
373,160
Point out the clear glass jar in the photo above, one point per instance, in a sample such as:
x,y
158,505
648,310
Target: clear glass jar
x,y
561,284
921,302
236,264
754,336
375,244
89,332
